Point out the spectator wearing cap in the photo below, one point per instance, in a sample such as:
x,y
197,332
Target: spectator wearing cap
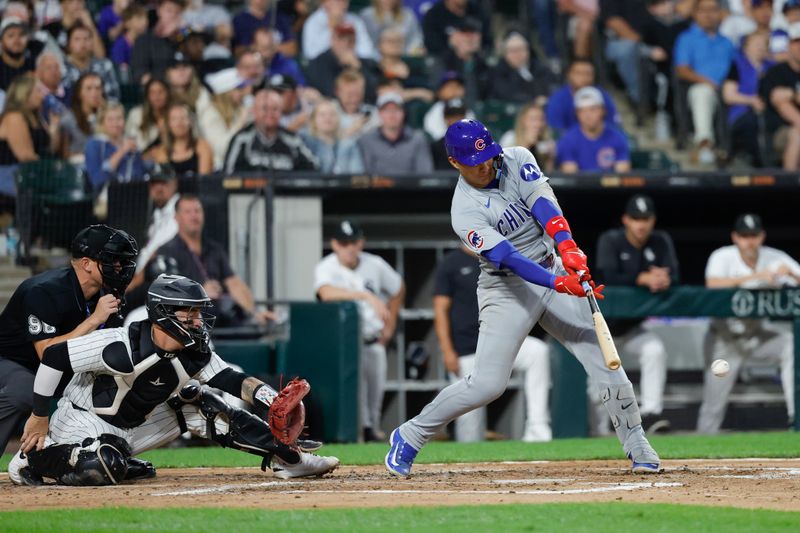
x,y
297,101
560,107
531,131
134,24
80,60
227,113
465,56
147,121
516,77
162,194
15,58
154,50
356,116
320,27
779,37
393,148
75,12
385,14
182,147
336,155
324,68
447,17
740,92
450,86
185,85
263,14
638,255
750,265
703,58
591,145
351,274
455,109
265,145
779,89
265,42
110,155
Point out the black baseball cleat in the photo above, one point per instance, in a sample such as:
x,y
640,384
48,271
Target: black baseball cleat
x,y
139,469
308,445
655,424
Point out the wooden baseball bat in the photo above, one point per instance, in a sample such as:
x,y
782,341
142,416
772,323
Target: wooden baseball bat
x,y
604,338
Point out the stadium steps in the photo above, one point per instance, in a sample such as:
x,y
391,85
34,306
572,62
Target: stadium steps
x,y
11,276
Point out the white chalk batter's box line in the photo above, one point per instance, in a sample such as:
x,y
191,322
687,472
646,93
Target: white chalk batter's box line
x,y
603,487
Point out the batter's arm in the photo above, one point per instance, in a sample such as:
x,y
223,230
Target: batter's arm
x,y
550,217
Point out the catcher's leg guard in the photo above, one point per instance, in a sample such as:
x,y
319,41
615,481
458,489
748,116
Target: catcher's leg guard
x,y
246,431
100,461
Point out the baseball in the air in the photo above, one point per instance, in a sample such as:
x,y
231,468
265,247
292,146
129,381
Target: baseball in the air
x,y
720,368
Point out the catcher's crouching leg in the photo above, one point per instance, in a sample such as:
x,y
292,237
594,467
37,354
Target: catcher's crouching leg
x,y
94,462
248,433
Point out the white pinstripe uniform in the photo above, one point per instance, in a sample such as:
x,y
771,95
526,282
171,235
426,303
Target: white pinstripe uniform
x,y
77,417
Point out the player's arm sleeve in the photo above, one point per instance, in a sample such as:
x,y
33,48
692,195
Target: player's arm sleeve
x,y
323,275
55,364
715,267
391,281
228,380
215,366
505,255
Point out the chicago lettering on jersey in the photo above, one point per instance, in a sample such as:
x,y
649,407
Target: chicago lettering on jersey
x,y
514,216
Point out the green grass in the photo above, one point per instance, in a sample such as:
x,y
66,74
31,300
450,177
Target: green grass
x,y
590,517
778,444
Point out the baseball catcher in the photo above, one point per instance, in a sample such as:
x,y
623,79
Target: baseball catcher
x,y
131,390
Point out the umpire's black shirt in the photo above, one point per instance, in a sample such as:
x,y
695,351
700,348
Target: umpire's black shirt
x,y
618,262
457,278
44,306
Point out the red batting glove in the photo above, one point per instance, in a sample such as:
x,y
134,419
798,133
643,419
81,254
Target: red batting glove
x,y
573,258
571,284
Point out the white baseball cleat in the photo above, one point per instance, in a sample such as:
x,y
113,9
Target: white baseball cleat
x,y
310,465
20,473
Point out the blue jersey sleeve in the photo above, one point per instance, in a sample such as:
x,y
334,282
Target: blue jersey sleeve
x,y
505,255
565,150
682,55
621,147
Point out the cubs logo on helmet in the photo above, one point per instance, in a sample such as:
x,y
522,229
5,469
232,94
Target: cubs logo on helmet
x,y
480,144
475,239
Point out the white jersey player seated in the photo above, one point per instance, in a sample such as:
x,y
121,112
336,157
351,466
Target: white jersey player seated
x,y
505,211
128,393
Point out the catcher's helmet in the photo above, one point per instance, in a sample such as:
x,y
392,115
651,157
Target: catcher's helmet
x,y
169,294
113,249
470,143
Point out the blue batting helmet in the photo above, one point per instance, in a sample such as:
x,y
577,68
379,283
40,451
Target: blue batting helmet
x,y
470,143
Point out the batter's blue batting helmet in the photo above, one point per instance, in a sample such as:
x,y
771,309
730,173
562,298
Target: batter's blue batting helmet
x,y
470,143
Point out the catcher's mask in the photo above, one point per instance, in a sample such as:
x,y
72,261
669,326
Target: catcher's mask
x,y
114,251
170,294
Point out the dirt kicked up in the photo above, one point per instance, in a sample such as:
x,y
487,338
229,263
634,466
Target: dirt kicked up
x,y
747,483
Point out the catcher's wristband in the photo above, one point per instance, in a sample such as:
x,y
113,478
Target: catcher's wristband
x,y
264,395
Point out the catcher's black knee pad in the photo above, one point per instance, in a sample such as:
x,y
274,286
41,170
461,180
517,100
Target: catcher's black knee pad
x,y
100,461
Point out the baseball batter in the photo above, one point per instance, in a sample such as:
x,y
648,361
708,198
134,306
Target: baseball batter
x,y
504,209
116,403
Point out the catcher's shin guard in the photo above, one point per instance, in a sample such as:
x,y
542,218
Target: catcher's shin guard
x,y
246,431
100,461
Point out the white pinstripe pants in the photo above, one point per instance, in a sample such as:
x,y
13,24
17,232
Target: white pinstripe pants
x,y
71,426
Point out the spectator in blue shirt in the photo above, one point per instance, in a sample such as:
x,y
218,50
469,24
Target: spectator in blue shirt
x,y
261,14
592,145
560,107
740,92
110,156
703,58
134,23
265,42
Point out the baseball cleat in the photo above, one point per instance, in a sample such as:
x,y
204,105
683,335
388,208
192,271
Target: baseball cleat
x,y
401,455
645,462
310,465
20,473
139,469
308,445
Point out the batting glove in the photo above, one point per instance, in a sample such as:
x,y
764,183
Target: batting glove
x,y
571,284
573,258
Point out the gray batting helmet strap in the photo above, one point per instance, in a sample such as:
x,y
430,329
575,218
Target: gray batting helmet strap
x,y
246,432
94,462
169,294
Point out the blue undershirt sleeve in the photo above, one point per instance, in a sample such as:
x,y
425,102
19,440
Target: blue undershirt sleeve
x,y
544,210
505,255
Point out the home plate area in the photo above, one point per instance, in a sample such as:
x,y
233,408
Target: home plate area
x,y
754,483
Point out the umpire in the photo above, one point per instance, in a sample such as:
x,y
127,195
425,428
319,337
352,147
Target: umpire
x,y
59,305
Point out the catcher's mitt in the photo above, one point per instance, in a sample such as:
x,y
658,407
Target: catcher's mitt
x,y
287,414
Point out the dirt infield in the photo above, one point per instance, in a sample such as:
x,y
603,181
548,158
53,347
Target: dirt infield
x,y
752,483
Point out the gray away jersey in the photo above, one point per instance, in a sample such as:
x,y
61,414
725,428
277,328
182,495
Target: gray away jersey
x,y
482,218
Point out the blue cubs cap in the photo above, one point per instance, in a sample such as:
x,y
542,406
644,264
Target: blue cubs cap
x,y
470,143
